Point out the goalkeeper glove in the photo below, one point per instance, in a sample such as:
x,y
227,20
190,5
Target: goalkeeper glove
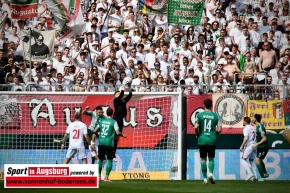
x,y
121,88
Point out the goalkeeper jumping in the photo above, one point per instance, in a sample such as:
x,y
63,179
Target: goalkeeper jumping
x,y
120,103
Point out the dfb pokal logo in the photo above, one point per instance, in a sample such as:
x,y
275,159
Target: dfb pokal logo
x,y
230,108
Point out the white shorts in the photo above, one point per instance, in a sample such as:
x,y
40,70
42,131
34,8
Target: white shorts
x,y
249,152
72,151
94,153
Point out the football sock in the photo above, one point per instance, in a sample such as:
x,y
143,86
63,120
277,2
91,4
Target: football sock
x,y
264,167
93,160
254,167
246,165
210,165
109,167
100,166
261,170
203,169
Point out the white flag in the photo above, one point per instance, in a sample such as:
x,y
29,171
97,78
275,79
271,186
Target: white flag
x,y
68,17
42,45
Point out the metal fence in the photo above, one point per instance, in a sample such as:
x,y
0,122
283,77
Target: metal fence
x,y
263,91
254,91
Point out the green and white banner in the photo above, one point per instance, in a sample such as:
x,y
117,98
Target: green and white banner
x,y
21,9
188,12
68,17
2,21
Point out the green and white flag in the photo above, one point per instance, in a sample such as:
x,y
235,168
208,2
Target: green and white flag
x,y
68,17
22,9
188,12
2,22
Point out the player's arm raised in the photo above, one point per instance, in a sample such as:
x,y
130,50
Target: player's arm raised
x,y
85,111
121,94
129,96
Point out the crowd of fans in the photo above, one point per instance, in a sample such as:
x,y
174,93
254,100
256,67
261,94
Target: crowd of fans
x,y
236,44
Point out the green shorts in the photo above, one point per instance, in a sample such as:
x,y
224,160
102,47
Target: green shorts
x,y
262,152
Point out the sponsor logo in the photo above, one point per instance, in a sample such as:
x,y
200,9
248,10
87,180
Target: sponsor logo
x,y
50,176
142,175
278,110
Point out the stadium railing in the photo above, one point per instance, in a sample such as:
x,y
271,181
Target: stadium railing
x,y
9,87
255,91
264,92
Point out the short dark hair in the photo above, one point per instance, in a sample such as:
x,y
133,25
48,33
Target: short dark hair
x,y
247,120
78,115
110,111
258,117
207,103
99,108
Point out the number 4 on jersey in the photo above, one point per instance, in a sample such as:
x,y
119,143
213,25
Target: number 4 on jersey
x,y
207,126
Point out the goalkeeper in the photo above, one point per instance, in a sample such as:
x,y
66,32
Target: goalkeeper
x,y
96,115
120,103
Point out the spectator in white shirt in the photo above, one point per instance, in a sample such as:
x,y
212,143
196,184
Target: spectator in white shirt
x,y
236,32
130,24
211,7
241,41
151,57
256,34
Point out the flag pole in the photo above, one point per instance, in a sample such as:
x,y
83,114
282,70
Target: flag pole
x,y
89,51
113,2
30,32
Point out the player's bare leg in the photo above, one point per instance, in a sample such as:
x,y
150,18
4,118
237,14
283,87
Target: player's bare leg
x,y
204,170
84,161
66,161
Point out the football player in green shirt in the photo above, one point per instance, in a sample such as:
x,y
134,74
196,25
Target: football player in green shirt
x,y
96,115
207,125
262,146
106,129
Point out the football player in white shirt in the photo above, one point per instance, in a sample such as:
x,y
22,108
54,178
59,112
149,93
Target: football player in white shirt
x,y
246,147
76,131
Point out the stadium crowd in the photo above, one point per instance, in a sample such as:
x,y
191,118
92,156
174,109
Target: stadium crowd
x,y
236,44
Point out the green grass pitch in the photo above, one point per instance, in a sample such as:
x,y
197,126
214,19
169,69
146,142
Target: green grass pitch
x,y
173,186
